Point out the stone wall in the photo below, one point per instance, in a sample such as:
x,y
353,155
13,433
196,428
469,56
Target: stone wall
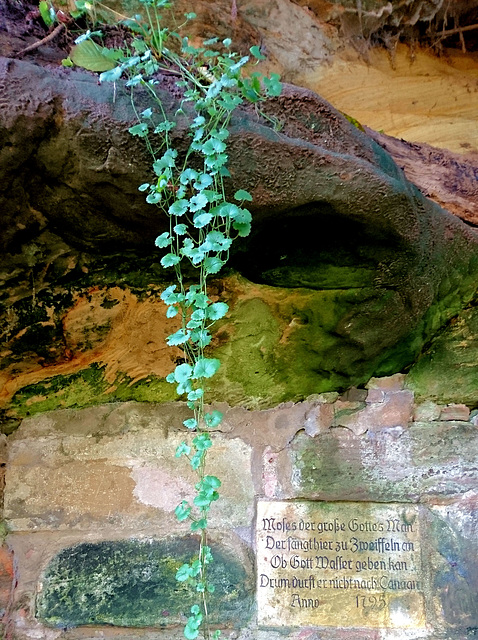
x,y
93,543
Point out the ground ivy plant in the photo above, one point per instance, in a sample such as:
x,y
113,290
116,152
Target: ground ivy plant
x,y
190,189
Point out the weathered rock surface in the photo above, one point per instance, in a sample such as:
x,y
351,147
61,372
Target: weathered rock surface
x,y
138,579
350,268
450,179
95,542
447,370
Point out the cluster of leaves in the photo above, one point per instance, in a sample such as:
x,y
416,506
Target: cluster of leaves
x,y
190,190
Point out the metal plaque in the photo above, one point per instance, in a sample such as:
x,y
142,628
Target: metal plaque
x,y
339,564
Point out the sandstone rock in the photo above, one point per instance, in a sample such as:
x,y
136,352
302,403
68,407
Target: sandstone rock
x,y
425,462
388,383
427,412
447,372
391,410
349,269
319,418
445,177
376,396
131,583
102,469
403,97
452,528
455,412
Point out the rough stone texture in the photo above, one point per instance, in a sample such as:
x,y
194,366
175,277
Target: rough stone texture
x,y
91,493
382,410
373,15
427,411
449,179
375,268
389,383
131,583
103,469
437,142
423,462
447,371
455,412
455,570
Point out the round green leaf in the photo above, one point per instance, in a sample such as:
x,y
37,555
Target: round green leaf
x,y
203,181
243,228
140,129
178,208
212,420
182,450
242,194
168,296
195,395
183,372
183,573
180,229
169,260
201,220
206,368
162,241
153,198
217,310
213,264
197,202
180,337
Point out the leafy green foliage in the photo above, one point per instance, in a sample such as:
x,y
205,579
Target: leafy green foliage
x,y
189,190
47,12
91,56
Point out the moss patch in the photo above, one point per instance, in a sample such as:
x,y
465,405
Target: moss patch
x,y
85,388
285,344
448,371
132,583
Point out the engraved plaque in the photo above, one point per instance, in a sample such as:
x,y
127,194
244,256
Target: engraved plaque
x,y
339,564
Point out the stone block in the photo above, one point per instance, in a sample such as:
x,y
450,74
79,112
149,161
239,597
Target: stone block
x,y
394,409
131,583
319,418
427,411
425,461
455,412
345,409
387,383
451,538
376,395
64,475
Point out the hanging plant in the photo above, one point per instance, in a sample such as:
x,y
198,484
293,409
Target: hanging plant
x,y
190,190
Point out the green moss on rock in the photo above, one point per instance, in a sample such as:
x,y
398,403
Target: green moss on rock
x,y
400,464
86,388
131,583
286,344
447,371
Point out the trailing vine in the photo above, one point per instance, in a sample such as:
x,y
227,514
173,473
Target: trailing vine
x,y
203,223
